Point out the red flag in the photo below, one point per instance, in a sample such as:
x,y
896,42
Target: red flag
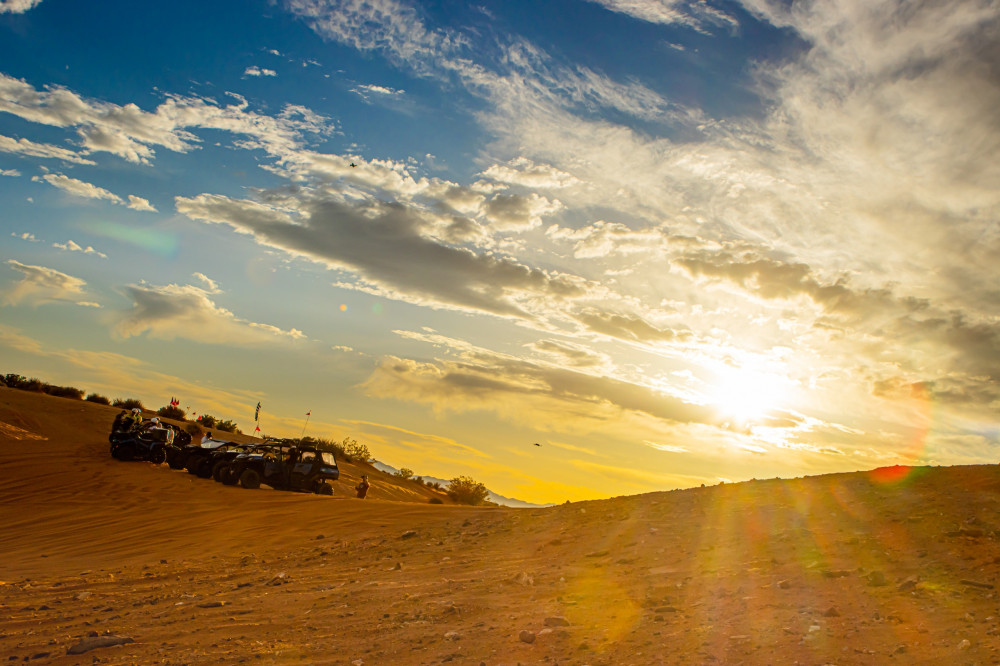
x,y
257,429
309,413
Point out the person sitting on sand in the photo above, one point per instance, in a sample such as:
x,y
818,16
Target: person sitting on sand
x,y
363,487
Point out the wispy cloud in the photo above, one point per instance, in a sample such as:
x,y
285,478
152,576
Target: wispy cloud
x,y
40,285
13,173
258,71
186,311
44,150
71,246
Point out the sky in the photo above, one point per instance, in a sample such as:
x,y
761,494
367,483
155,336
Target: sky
x,y
671,242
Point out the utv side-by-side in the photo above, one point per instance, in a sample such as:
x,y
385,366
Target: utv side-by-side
x,y
283,467
179,457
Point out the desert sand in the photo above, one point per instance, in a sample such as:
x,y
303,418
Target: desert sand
x,y
129,563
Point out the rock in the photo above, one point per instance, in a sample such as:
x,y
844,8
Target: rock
x,y
84,595
94,642
900,649
964,645
783,584
408,534
279,579
831,612
212,604
876,578
908,584
556,622
452,636
527,636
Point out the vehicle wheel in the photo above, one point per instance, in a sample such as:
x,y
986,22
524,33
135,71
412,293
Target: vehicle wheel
x,y
126,452
324,488
157,455
114,451
250,479
176,460
229,477
218,469
204,469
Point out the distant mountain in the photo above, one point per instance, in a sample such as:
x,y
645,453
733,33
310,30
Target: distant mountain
x,y
492,496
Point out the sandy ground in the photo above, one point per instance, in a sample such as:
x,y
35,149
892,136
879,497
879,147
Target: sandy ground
x,y
894,566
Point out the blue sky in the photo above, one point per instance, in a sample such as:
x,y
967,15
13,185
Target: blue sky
x,y
672,242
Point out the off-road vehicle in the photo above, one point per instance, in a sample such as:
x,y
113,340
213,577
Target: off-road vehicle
x,y
283,467
147,442
178,457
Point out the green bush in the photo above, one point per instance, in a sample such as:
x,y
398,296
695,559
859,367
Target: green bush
x,y
206,421
227,426
99,399
128,403
194,430
465,490
171,412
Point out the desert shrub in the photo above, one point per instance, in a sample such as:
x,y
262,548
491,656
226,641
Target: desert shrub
x,y
404,473
194,430
226,426
435,500
99,399
128,403
64,391
171,412
354,450
207,420
23,383
466,490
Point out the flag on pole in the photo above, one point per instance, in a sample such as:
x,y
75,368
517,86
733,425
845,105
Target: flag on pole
x,y
256,414
257,429
309,413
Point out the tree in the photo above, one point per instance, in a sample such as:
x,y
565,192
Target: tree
x,y
171,412
352,450
404,473
99,399
466,490
207,420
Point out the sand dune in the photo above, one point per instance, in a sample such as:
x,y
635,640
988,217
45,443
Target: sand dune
x,y
896,566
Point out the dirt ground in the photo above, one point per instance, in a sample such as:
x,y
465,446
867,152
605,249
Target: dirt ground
x,y
128,563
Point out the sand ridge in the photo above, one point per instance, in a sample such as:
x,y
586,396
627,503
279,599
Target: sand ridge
x,y
899,566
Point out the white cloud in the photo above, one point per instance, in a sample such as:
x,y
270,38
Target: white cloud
x,y
41,285
14,173
44,150
257,71
185,311
522,171
17,6
78,187
90,191
211,286
667,12
71,246
138,203
25,235
132,134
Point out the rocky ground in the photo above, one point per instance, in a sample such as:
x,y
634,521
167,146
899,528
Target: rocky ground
x,y
110,562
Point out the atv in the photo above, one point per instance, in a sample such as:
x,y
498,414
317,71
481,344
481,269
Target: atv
x,y
147,442
283,467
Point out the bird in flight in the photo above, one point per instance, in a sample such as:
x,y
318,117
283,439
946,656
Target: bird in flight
x,y
537,444
353,164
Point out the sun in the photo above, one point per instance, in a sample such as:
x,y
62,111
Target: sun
x,y
745,395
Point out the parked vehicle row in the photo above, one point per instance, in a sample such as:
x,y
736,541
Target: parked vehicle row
x,y
281,464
